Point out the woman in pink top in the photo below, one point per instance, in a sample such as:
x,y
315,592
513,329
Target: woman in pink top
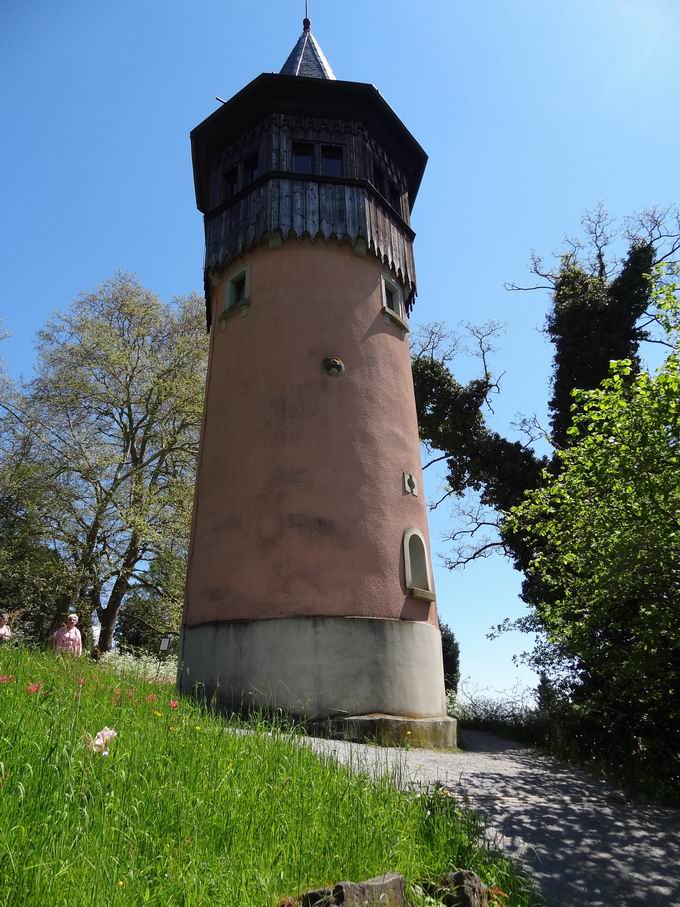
x,y
67,638
5,632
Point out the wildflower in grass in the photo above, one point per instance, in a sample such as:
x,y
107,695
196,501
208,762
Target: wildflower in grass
x,y
6,678
152,697
158,714
116,696
173,704
81,681
198,727
131,693
100,742
34,687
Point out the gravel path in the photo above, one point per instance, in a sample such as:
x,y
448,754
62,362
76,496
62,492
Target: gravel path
x,y
580,839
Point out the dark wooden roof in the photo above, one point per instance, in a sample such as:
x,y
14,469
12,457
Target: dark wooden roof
x,y
306,58
301,96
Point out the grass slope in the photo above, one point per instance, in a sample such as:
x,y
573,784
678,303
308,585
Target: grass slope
x,y
185,810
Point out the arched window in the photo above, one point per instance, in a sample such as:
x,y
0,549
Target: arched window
x,y
417,567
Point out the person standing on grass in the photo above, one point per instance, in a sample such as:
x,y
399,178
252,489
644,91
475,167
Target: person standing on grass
x,y
67,638
5,631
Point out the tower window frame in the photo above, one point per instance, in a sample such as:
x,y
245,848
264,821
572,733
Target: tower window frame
x,y
230,183
251,169
395,196
379,179
237,290
332,160
301,153
393,301
417,570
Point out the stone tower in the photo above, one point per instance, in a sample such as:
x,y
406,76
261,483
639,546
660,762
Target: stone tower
x,y
309,581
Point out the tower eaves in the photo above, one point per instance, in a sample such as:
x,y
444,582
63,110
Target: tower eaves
x,y
306,58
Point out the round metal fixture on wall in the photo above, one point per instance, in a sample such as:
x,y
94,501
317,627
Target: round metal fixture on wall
x,y
333,366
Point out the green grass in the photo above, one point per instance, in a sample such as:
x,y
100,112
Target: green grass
x,y
187,810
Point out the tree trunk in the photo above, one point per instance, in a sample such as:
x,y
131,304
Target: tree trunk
x,y
108,615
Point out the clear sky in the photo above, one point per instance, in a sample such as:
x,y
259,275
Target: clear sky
x,y
530,110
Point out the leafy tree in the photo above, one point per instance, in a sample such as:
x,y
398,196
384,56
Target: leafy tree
x,y
153,608
604,574
111,423
451,653
35,580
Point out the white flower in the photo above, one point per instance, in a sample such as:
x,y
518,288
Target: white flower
x,y
100,742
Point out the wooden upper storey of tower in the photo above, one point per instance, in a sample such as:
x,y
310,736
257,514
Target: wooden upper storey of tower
x,y
292,156
346,108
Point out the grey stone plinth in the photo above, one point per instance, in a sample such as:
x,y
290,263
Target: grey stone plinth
x,y
318,668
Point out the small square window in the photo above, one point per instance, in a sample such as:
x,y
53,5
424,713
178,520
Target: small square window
x,y
393,302
331,160
395,198
237,289
250,169
303,158
230,183
379,179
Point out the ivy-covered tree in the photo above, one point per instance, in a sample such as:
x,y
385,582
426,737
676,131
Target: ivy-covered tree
x,y
604,573
594,320
599,312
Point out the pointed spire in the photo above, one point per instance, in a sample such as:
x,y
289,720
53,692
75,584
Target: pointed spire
x,y
306,58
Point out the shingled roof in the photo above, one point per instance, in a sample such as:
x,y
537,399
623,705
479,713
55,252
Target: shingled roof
x,y
306,58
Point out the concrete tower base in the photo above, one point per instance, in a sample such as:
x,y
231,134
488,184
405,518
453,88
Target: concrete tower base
x,y
326,669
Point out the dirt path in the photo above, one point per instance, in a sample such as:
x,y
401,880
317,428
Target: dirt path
x,y
581,840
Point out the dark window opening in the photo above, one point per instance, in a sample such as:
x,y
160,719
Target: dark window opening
x,y
395,198
230,183
250,169
391,300
239,289
331,161
303,158
379,179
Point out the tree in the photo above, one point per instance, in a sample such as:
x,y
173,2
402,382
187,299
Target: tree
x,y
35,580
600,311
451,653
111,423
153,610
604,573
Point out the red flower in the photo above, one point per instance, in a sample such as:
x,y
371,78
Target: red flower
x,y
173,704
81,681
152,697
34,688
6,678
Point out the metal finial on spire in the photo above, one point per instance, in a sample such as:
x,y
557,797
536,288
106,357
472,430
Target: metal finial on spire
x,y
306,24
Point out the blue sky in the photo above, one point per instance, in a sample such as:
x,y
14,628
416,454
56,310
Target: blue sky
x,y
530,110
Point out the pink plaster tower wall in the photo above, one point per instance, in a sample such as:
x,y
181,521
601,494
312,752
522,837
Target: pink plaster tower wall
x,y
302,592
